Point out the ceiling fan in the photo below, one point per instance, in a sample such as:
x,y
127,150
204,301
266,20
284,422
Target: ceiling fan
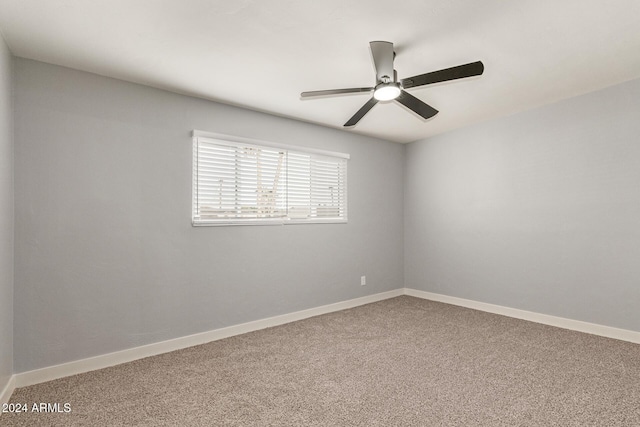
x,y
388,87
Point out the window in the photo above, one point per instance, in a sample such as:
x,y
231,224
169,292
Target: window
x,y
239,181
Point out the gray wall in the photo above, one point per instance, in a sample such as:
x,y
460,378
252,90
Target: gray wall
x,y
538,211
106,258
6,216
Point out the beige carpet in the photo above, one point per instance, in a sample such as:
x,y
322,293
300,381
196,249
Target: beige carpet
x,y
399,362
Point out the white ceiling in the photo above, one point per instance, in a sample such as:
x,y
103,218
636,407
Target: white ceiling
x,y
261,54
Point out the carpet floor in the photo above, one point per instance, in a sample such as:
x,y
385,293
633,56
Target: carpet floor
x,y
399,362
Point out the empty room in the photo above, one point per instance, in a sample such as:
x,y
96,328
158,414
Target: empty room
x,y
330,213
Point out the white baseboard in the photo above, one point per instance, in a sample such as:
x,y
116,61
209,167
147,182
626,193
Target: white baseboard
x,y
561,322
103,361
7,391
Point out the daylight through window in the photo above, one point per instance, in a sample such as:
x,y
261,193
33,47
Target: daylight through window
x,y
238,181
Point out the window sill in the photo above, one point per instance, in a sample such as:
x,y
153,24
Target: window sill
x,y
268,222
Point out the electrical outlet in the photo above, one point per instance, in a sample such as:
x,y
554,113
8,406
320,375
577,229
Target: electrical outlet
x,y
363,280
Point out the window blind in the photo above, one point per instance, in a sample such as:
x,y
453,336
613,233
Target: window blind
x,y
236,182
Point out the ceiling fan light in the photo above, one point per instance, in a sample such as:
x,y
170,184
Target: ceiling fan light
x,y
386,91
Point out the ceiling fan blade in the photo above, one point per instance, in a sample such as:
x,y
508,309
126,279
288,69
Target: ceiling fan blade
x,y
382,53
361,112
453,73
335,92
414,104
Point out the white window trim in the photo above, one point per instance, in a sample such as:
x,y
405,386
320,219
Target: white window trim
x,y
238,139
198,134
